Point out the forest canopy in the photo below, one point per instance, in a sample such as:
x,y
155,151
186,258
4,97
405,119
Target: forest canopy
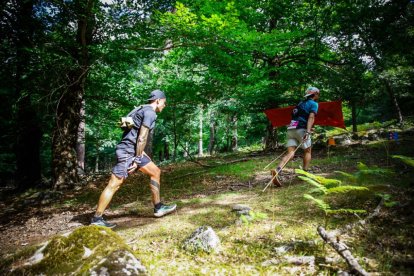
x,y
70,69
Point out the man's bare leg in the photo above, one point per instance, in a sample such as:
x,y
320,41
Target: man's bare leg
x,y
104,200
307,158
155,174
107,194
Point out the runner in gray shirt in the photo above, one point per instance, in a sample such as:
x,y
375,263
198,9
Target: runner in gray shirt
x,y
131,156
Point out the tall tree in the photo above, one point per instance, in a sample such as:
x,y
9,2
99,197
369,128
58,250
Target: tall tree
x,y
20,33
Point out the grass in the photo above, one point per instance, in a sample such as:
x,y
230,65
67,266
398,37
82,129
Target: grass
x,y
203,198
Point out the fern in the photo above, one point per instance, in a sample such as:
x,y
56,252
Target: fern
x,y
361,166
319,202
315,191
349,176
315,183
322,180
407,160
346,189
365,170
325,187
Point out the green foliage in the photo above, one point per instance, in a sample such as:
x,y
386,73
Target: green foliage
x,y
319,202
327,182
326,188
365,172
223,61
374,170
252,217
319,187
346,189
407,160
387,198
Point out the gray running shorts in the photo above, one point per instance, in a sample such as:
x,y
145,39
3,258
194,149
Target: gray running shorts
x,y
124,160
295,137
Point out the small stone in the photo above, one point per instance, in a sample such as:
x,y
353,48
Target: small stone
x,y
271,262
241,209
283,249
203,238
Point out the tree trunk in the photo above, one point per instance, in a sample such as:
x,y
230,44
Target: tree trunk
x,y
394,100
271,141
354,117
80,146
212,132
28,133
185,155
175,135
64,141
200,136
228,139
234,139
166,151
28,168
97,162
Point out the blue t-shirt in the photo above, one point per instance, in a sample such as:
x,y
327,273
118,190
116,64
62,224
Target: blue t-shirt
x,y
300,114
145,116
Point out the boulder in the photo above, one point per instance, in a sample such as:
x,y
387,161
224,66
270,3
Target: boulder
x,y
202,239
87,250
119,262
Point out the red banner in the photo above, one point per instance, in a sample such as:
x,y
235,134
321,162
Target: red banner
x,y
329,114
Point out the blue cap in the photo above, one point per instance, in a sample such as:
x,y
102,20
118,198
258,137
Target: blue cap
x,y
156,94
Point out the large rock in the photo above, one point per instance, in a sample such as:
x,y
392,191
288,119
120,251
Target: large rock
x,y
202,239
120,262
87,250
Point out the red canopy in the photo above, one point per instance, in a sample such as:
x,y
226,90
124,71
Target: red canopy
x,y
329,114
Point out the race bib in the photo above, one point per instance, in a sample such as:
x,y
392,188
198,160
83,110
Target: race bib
x,y
293,124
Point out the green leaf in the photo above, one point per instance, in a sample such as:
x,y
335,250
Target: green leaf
x,y
407,160
319,202
322,180
346,189
314,183
350,177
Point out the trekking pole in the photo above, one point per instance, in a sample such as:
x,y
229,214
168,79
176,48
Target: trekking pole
x,y
283,153
281,168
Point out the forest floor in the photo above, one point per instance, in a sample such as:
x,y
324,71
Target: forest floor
x,y
205,196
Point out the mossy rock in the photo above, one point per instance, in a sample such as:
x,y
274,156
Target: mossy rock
x,y
79,253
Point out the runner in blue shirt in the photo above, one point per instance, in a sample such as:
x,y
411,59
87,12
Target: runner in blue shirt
x,y
300,130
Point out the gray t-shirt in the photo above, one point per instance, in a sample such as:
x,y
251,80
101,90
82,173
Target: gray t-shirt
x,y
145,116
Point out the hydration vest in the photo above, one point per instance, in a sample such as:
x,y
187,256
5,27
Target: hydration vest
x,y
299,114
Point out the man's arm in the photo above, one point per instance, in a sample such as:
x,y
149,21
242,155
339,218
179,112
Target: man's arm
x,y
142,140
311,121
